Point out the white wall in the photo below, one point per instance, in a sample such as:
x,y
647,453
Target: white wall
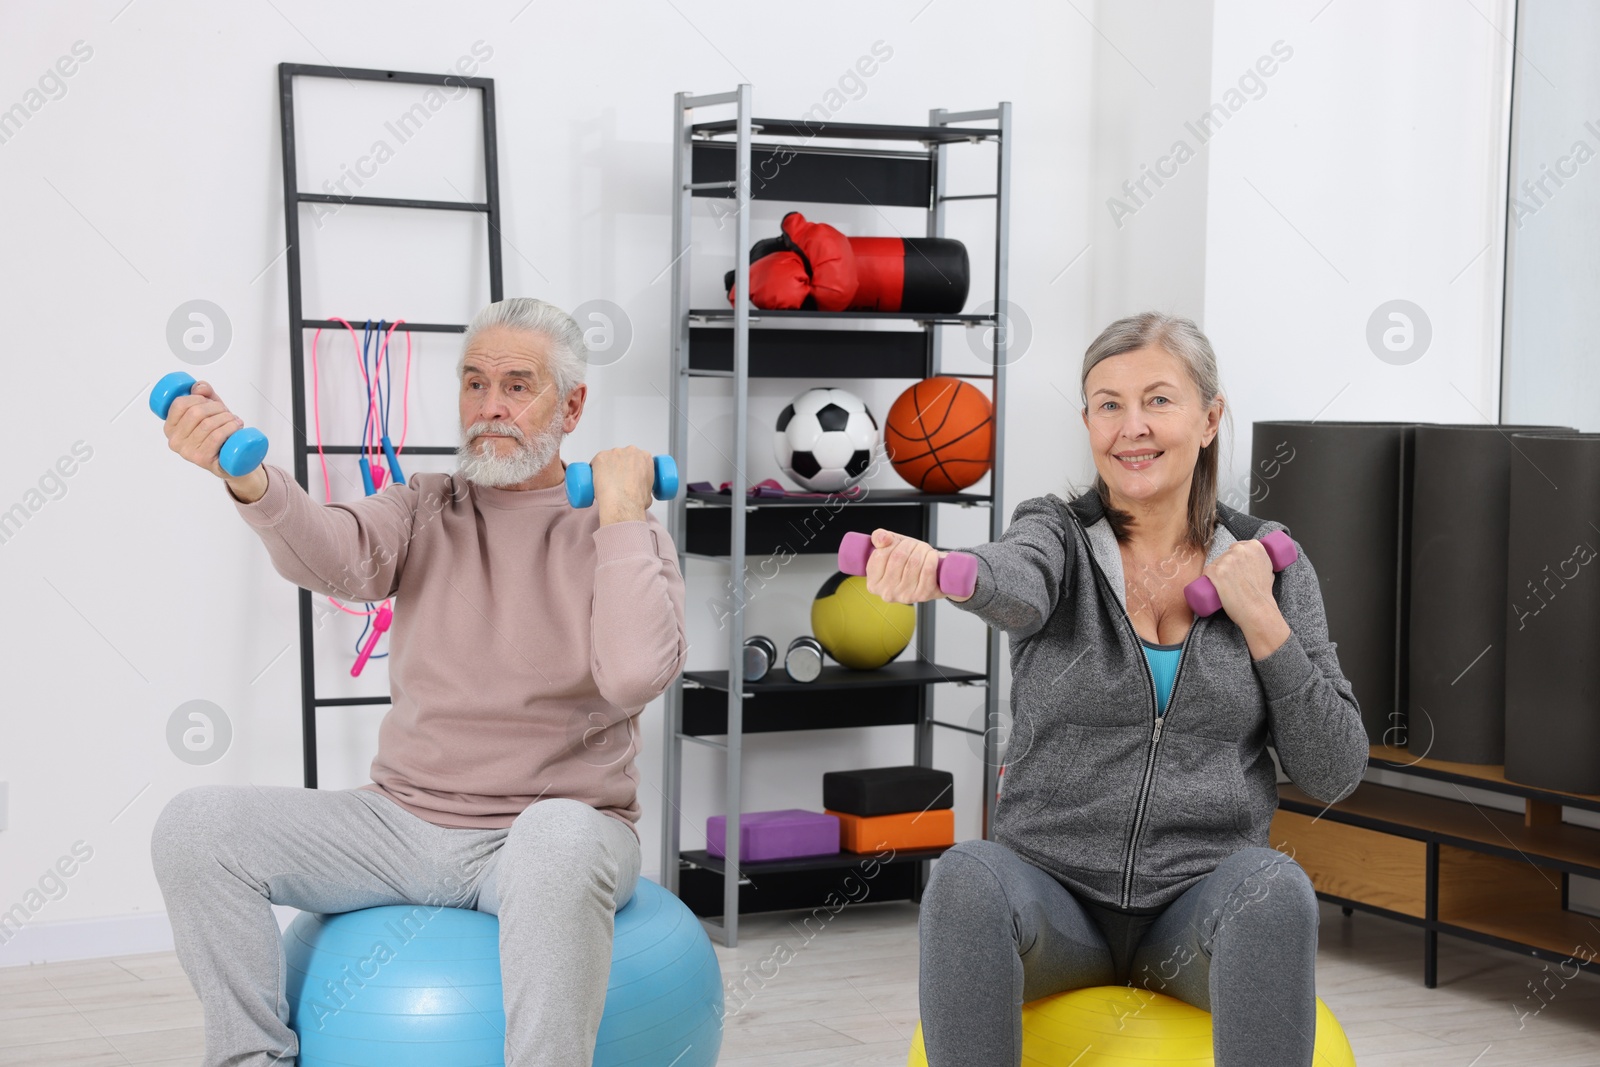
x,y
154,180
1371,169
1152,75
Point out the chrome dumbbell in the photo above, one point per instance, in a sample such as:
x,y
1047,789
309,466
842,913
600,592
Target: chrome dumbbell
x,y
802,660
759,655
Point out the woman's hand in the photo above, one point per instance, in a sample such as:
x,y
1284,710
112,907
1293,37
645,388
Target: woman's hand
x,y
903,570
1243,577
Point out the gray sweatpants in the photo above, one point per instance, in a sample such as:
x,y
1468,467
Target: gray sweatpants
x,y
997,932
224,854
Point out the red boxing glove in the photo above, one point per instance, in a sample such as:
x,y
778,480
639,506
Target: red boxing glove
x,y
831,263
778,282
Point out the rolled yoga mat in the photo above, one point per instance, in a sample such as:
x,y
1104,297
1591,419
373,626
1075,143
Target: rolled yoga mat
x,y
1344,491
1552,693
1460,517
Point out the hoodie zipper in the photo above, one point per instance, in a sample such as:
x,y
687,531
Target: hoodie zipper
x,y
1150,761
1155,714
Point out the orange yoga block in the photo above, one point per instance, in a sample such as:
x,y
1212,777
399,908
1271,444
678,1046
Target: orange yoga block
x,y
904,830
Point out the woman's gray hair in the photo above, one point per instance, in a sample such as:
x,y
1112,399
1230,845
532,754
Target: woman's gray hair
x,y
1181,338
569,356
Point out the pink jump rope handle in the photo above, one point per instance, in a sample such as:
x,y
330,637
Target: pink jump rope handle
x,y
379,625
1202,595
958,571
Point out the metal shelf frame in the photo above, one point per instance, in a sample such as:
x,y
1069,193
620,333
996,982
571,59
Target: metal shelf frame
x,y
905,172
293,197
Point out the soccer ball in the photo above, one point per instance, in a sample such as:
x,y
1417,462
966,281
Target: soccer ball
x,y
825,439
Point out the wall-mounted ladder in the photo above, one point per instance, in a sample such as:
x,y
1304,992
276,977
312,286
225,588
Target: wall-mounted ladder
x,y
292,199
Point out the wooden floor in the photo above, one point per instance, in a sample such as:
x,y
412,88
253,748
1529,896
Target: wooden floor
x,y
848,998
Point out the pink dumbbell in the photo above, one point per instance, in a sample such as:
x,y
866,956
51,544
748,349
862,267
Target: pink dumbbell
x,y
1202,595
958,571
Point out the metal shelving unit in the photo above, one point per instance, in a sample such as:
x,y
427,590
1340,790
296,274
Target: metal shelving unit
x,y
709,159
293,197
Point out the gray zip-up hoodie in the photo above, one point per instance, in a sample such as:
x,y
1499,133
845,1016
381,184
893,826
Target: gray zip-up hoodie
x,y
1122,806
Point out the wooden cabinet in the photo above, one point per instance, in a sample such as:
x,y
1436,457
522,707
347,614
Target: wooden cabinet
x,y
1448,864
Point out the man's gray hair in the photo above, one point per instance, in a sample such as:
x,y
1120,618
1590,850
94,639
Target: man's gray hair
x,y
569,356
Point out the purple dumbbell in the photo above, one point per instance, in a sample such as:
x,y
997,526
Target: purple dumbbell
x,y
1202,595
958,571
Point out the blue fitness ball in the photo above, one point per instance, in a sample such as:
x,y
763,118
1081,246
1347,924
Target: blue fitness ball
x,y
419,986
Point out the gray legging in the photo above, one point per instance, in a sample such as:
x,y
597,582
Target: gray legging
x,y
997,932
224,854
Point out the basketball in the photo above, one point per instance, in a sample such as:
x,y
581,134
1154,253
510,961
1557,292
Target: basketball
x,y
940,435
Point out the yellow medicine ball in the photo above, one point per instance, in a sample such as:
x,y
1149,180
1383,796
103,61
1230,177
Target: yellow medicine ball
x,y
860,629
1120,1026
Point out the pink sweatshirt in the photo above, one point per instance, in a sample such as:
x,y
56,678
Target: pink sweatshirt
x,y
526,638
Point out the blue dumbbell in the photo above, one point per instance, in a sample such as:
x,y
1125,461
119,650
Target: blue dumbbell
x,y
244,449
580,482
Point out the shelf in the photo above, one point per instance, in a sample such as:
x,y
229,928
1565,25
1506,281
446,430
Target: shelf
x,y
757,314
1456,822
889,696
781,353
1556,932
1511,900
794,173
845,130
897,672
812,531
703,859
1452,866
878,496
845,877
1478,775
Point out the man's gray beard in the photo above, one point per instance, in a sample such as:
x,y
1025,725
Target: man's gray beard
x,y
485,467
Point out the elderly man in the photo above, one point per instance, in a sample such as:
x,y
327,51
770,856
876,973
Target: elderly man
x,y
527,638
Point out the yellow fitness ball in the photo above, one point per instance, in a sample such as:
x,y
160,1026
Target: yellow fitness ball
x,y
860,629
1120,1026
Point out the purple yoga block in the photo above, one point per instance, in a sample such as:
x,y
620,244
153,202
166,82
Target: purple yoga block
x,y
776,835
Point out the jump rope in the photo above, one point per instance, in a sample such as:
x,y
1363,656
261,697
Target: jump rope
x,y
375,448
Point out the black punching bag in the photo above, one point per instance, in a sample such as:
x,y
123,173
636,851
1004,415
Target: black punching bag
x,y
1460,516
1344,491
1552,582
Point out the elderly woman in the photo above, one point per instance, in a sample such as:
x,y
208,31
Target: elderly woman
x,y
1129,843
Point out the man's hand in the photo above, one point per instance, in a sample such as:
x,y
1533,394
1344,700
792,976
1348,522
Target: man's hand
x,y
197,426
622,481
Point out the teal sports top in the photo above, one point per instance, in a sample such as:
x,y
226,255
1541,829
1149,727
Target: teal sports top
x,y
1163,660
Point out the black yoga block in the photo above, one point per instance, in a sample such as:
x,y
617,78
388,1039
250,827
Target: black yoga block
x,y
887,790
